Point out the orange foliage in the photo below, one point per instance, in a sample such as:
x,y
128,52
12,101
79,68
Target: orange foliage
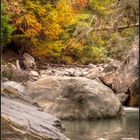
x,y
79,3
28,25
13,7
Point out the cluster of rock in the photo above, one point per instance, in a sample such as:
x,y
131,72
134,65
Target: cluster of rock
x,y
26,109
67,97
124,81
121,77
92,92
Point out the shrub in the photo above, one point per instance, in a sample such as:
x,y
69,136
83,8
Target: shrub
x,y
14,74
119,44
93,54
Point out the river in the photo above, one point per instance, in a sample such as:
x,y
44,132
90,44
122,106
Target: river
x,y
124,128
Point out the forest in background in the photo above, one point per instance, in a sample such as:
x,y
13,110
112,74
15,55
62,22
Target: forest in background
x,y
70,31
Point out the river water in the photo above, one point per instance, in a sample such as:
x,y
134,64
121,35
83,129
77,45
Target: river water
x,y
124,128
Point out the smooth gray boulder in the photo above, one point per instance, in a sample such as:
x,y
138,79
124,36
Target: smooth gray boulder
x,y
24,122
74,98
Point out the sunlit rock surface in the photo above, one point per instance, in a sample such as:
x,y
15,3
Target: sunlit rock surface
x,y
23,122
77,97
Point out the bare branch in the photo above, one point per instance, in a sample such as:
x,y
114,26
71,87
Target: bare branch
x,y
119,27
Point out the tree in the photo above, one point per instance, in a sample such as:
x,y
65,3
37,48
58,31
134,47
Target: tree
x,y
6,28
67,30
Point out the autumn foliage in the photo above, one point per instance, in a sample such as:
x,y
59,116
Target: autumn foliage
x,y
62,31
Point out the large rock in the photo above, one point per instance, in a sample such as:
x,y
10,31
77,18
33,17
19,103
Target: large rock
x,y
12,85
29,61
23,122
77,97
122,97
107,78
93,73
126,77
112,65
108,72
15,90
33,75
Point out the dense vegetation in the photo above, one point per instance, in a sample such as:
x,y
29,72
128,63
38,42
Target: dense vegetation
x,y
7,29
70,31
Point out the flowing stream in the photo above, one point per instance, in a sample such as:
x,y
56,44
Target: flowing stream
x,y
124,128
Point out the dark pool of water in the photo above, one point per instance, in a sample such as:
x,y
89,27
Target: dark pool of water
x,y
108,129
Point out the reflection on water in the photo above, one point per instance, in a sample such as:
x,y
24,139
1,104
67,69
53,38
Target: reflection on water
x,y
108,129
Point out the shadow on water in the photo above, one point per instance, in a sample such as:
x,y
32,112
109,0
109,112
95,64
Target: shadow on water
x,y
108,129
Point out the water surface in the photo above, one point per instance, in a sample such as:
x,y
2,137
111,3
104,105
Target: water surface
x,y
108,129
